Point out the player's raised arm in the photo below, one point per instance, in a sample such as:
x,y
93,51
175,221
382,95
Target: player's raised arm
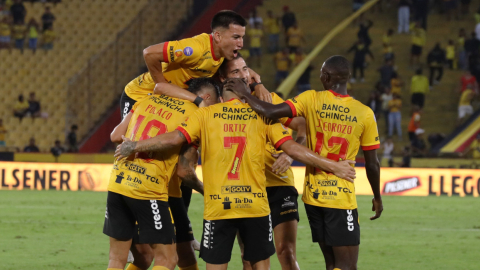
x,y
187,161
163,142
342,169
372,166
266,109
120,129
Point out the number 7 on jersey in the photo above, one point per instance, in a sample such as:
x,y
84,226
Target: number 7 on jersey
x,y
228,142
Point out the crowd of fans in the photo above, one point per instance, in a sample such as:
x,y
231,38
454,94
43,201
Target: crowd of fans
x,y
14,30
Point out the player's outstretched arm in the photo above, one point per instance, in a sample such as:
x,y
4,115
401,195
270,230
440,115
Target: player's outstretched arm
x,y
372,166
284,161
342,169
158,143
271,111
173,90
120,129
153,56
187,161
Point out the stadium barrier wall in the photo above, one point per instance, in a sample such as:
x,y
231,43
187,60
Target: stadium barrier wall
x,y
289,83
394,181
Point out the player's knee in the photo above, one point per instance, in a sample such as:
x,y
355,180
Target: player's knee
x,y
285,252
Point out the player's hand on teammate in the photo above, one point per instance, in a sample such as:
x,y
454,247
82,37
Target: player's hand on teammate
x,y
237,86
262,93
125,149
344,170
377,206
282,163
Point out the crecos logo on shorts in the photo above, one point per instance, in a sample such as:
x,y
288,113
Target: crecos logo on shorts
x,y
188,51
156,213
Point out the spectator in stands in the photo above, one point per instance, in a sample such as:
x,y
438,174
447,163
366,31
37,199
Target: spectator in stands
x,y
407,157
475,148
419,146
255,19
18,12
19,30
395,116
282,64
303,83
466,80
465,108
404,16
418,88
450,55
386,73
375,103
297,57
33,106
414,123
418,41
421,12
272,27
435,138
295,38
396,84
48,38
5,32
33,29
256,35
465,6
361,50
72,139
387,45
47,18
462,55
385,98
3,131
436,61
472,45
357,4
451,9
20,108
7,4
57,149
363,32
388,147
31,147
288,18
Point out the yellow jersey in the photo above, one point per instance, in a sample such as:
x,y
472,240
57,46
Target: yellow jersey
x,y
146,175
419,84
282,61
5,30
294,36
48,36
185,59
418,36
396,86
466,97
286,178
233,144
387,40
475,146
337,125
394,105
272,26
19,31
450,49
255,37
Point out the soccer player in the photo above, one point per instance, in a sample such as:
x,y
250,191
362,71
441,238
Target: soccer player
x,y
337,125
173,64
233,138
138,187
281,192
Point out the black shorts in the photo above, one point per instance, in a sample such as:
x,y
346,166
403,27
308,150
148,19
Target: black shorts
x,y
416,50
126,104
183,227
283,204
155,224
334,227
219,235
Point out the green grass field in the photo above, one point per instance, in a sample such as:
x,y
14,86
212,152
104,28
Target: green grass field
x,y
63,230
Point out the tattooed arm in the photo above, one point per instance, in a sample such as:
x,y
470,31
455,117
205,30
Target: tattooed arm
x,y
187,162
159,143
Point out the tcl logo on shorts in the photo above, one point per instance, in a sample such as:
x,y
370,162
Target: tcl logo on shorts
x,y
349,221
156,214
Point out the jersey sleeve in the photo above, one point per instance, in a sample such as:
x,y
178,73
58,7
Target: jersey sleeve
x,y
276,99
186,51
300,104
370,139
190,128
277,134
135,106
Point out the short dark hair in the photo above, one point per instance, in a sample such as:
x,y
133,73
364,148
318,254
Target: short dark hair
x,y
74,127
197,84
222,70
226,17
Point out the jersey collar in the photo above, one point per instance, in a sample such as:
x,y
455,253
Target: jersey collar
x,y
211,48
337,94
232,99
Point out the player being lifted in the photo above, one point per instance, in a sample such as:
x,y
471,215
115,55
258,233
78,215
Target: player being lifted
x,y
138,187
173,64
281,192
337,125
232,139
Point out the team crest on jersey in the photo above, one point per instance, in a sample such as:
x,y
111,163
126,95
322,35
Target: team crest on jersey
x,y
178,53
188,51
